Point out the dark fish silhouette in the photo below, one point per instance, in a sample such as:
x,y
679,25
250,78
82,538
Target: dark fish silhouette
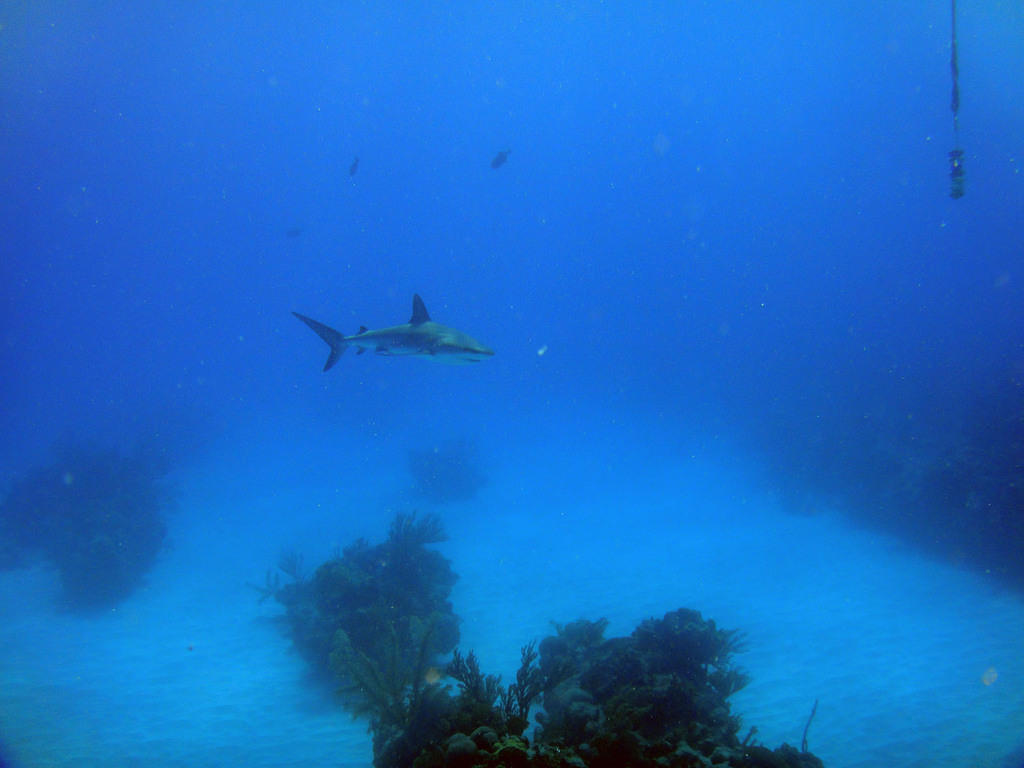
x,y
500,158
354,167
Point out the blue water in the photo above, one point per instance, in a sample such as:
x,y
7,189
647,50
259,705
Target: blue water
x,y
732,303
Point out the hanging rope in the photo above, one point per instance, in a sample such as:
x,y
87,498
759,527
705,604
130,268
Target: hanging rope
x,y
956,155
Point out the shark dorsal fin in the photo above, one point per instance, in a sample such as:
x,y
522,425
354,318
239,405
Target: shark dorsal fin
x,y
362,329
419,311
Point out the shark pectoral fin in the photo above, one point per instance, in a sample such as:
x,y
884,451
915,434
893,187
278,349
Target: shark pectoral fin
x,y
382,351
360,350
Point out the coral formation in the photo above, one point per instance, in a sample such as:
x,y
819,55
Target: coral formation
x,y
977,486
374,620
673,670
95,514
377,619
657,698
951,483
447,473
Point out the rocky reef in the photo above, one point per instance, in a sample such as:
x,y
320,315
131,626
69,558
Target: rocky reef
x,y
656,698
96,514
447,472
374,616
973,493
377,622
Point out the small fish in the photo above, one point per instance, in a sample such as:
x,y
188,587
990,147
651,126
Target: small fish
x,y
500,158
420,337
354,167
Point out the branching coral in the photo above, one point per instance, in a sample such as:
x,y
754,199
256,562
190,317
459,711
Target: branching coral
x,y
374,620
649,700
396,690
378,617
516,701
289,562
271,586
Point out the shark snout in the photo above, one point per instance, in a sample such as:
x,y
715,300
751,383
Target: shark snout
x,y
477,353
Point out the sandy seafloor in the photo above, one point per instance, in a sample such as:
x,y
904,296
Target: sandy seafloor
x,y
892,644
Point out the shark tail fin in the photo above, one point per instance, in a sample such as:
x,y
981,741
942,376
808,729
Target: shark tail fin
x,y
335,340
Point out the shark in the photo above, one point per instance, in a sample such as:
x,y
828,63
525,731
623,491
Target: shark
x,y
420,337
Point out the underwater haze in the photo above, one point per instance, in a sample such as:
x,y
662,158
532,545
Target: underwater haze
x,y
750,358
